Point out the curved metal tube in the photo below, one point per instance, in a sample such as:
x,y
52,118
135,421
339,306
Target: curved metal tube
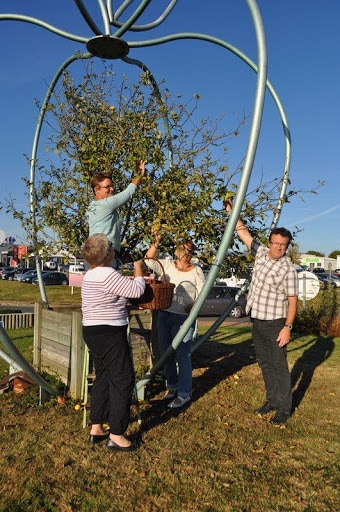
x,y
277,211
174,37
33,160
252,65
40,23
286,131
139,28
219,321
19,359
128,24
86,15
254,134
106,18
245,177
157,92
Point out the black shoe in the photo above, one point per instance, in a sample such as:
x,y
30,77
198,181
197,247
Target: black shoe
x,y
265,408
280,418
111,445
93,439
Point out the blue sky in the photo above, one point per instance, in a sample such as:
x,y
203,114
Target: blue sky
x,y
303,43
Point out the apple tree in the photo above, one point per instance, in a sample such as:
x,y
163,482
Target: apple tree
x,y
102,123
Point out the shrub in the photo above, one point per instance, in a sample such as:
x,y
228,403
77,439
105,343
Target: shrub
x,y
320,315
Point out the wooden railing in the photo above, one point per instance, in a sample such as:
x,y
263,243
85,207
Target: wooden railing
x,y
17,320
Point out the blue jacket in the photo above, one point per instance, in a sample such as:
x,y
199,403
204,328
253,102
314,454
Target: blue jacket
x,y
103,216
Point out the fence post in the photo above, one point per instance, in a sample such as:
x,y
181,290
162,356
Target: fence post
x,y
77,355
37,336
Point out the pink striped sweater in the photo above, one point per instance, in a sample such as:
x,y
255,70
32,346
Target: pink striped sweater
x,y
104,295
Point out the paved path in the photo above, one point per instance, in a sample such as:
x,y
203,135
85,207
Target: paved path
x,y
209,320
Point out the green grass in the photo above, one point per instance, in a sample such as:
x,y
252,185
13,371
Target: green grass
x,y
14,291
23,339
214,456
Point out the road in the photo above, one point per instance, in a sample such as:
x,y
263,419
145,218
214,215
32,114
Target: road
x,y
209,320
23,309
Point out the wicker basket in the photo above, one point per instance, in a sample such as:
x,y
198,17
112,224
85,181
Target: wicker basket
x,y
157,294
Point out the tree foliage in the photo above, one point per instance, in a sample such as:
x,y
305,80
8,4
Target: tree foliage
x,y
100,123
294,254
316,253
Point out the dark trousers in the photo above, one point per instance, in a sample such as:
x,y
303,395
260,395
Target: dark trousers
x,y
272,360
113,386
177,368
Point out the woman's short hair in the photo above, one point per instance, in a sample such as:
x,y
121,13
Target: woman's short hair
x,y
188,246
96,249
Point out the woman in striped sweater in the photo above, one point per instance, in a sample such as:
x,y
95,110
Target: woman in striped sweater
x,y
105,294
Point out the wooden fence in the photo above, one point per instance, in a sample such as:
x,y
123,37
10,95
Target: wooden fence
x,y
17,320
59,346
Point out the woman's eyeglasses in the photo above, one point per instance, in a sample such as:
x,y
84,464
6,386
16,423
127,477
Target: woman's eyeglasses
x,y
186,251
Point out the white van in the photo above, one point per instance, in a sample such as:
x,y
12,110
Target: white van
x,y
50,265
233,281
77,269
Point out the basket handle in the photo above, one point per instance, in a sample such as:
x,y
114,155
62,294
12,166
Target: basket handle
x,y
163,278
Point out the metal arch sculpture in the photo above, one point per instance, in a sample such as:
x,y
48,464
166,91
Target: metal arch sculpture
x,y
111,46
41,116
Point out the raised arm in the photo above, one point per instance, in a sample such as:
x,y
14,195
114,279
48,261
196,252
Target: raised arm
x,y
153,249
140,168
240,228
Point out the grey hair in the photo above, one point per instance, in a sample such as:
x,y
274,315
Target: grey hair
x,y
96,249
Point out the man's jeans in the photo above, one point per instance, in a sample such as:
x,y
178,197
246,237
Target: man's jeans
x,y
272,360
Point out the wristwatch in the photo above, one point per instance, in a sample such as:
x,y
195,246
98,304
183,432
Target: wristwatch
x,y
290,327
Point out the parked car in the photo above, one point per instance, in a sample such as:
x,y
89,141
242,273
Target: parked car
x,y
3,269
28,276
11,273
18,276
8,273
318,270
325,281
77,269
64,268
219,298
233,281
52,278
72,269
50,265
335,279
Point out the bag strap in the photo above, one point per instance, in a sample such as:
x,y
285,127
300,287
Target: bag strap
x,y
163,278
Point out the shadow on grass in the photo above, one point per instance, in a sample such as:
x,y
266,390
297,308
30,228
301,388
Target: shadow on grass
x,y
216,362
317,353
212,363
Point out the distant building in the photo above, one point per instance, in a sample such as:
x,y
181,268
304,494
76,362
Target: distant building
x,y
12,255
311,261
6,254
